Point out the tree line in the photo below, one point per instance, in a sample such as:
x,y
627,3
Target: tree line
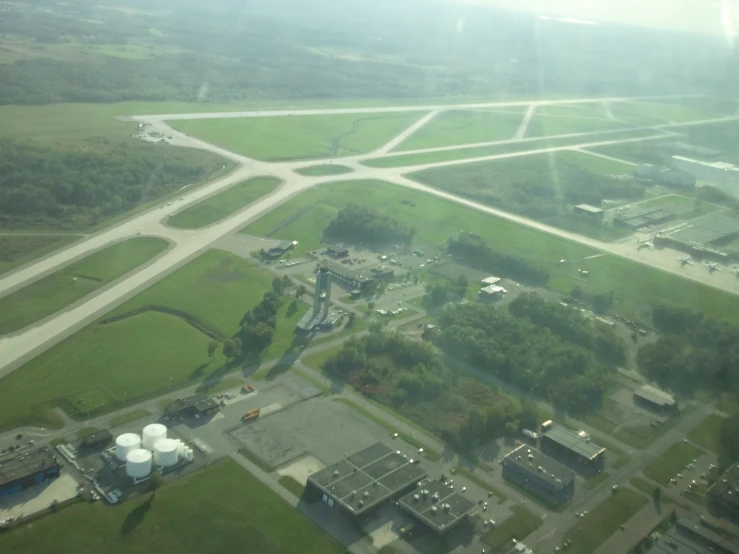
x,y
538,350
473,251
361,224
73,185
411,377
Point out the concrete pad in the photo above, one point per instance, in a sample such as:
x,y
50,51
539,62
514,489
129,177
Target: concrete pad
x,y
38,497
271,409
301,469
384,527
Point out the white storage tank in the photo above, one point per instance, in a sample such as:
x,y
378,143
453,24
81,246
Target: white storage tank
x,y
154,433
189,455
138,463
125,443
165,452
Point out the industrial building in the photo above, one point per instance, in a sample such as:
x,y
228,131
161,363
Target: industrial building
x,y
590,211
27,469
96,439
362,279
196,405
358,484
655,398
643,215
539,475
317,316
718,173
690,537
709,236
337,252
436,505
491,293
280,249
724,493
573,448
140,453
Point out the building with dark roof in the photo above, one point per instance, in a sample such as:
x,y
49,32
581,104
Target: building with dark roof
x,y
280,249
655,398
336,252
196,405
363,481
348,278
539,475
27,469
690,537
573,448
724,493
98,438
437,505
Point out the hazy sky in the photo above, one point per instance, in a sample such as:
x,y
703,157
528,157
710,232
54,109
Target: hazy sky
x,y
716,17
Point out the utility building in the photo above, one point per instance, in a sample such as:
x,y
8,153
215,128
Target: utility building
x,y
360,483
280,249
655,398
27,469
436,505
196,405
573,448
539,475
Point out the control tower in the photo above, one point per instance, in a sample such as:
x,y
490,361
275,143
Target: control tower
x,y
318,314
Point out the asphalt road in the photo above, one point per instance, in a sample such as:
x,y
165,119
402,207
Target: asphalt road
x,y
185,245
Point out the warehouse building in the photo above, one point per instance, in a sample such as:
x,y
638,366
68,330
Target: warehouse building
x,y
358,484
724,493
539,475
197,405
27,469
436,505
589,211
690,537
97,439
711,236
573,448
654,398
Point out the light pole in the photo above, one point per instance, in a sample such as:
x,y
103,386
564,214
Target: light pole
x,y
124,400
169,386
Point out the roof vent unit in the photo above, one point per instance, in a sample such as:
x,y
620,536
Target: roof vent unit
x,y
540,469
365,494
336,473
361,503
434,510
416,498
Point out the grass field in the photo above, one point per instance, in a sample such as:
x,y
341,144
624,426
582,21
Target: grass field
x,y
293,486
133,415
145,351
464,127
219,509
520,525
635,286
299,137
408,160
647,113
563,120
52,293
588,533
16,250
707,434
647,487
323,169
223,204
671,462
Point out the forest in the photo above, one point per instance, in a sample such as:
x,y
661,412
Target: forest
x,y
411,377
360,224
694,352
539,350
70,186
473,251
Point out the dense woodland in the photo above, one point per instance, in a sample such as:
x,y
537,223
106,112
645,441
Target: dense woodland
x,y
693,352
544,349
360,224
473,251
76,185
411,377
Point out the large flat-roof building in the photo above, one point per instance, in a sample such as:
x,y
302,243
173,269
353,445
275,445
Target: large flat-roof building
x,y
690,537
724,493
27,469
588,211
573,448
437,505
539,475
655,398
363,481
196,405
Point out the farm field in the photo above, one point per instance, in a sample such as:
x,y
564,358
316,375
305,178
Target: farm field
x,y
407,160
16,250
241,510
671,462
592,530
465,127
223,204
635,287
52,293
155,342
323,169
299,137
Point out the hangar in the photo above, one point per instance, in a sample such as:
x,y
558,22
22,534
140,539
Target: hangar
x,y
27,469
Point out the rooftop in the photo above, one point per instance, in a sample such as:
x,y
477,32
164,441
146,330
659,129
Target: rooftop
x,y
690,537
589,208
366,478
532,460
492,289
199,402
655,395
28,463
726,489
95,438
579,443
436,504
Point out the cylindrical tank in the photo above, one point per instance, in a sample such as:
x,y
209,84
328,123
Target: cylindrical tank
x,y
138,463
125,443
165,452
152,434
189,455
